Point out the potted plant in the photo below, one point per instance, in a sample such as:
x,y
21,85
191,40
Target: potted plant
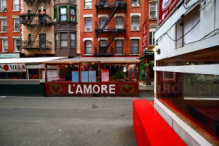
x,y
119,75
146,71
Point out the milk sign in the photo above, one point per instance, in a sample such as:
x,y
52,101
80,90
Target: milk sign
x,y
12,68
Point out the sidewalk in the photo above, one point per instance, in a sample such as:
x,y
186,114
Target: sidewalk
x,y
146,90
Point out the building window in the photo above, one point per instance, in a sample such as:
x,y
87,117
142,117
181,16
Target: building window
x,y
153,12
151,37
119,46
72,40
135,23
88,24
4,45
134,46
88,47
87,4
3,5
16,44
102,43
73,13
135,2
56,40
64,41
16,24
4,25
102,22
63,13
15,5
119,22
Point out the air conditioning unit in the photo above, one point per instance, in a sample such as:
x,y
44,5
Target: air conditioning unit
x,y
135,28
135,4
87,7
88,29
3,9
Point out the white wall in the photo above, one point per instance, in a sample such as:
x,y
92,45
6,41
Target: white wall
x,y
192,26
191,16
217,14
207,17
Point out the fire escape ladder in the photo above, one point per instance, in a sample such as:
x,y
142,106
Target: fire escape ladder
x,y
35,34
34,10
112,39
103,49
111,16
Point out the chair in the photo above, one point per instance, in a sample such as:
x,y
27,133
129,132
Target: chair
x,y
193,112
216,128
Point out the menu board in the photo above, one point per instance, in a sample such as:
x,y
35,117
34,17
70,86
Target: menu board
x,y
105,75
92,76
84,76
75,76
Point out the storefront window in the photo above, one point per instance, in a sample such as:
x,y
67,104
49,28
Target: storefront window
x,y
13,75
35,73
119,72
197,95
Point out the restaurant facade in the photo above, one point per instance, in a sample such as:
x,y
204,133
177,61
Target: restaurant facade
x,y
186,69
92,77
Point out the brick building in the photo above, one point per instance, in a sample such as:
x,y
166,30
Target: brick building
x,y
113,27
10,28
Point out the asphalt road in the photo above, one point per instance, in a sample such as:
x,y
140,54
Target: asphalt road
x,y
39,121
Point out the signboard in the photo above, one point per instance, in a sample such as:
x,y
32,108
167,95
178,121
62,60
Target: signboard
x,y
75,76
10,55
84,76
77,89
144,35
105,75
12,68
165,8
92,76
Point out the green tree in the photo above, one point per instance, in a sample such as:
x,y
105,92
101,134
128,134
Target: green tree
x,y
146,71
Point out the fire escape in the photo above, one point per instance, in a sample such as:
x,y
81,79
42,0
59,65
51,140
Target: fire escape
x,y
35,20
109,28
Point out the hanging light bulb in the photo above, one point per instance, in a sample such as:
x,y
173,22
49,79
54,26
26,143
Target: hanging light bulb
x,y
124,69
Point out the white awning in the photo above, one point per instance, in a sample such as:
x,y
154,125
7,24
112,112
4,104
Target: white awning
x,y
29,60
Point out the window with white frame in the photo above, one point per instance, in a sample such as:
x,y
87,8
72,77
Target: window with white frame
x,y
87,4
135,22
4,25
63,14
4,45
102,21
64,40
88,24
119,22
119,46
135,2
16,24
135,46
151,36
73,40
16,44
3,5
15,5
88,47
153,10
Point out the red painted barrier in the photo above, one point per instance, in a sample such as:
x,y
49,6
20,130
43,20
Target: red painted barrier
x,y
150,128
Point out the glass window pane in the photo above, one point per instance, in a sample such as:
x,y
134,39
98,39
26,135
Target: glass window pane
x,y
63,36
88,47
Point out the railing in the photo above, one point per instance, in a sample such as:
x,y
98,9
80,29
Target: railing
x,y
112,25
33,1
103,51
37,18
115,2
36,44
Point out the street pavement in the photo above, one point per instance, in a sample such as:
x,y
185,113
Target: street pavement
x,y
53,121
